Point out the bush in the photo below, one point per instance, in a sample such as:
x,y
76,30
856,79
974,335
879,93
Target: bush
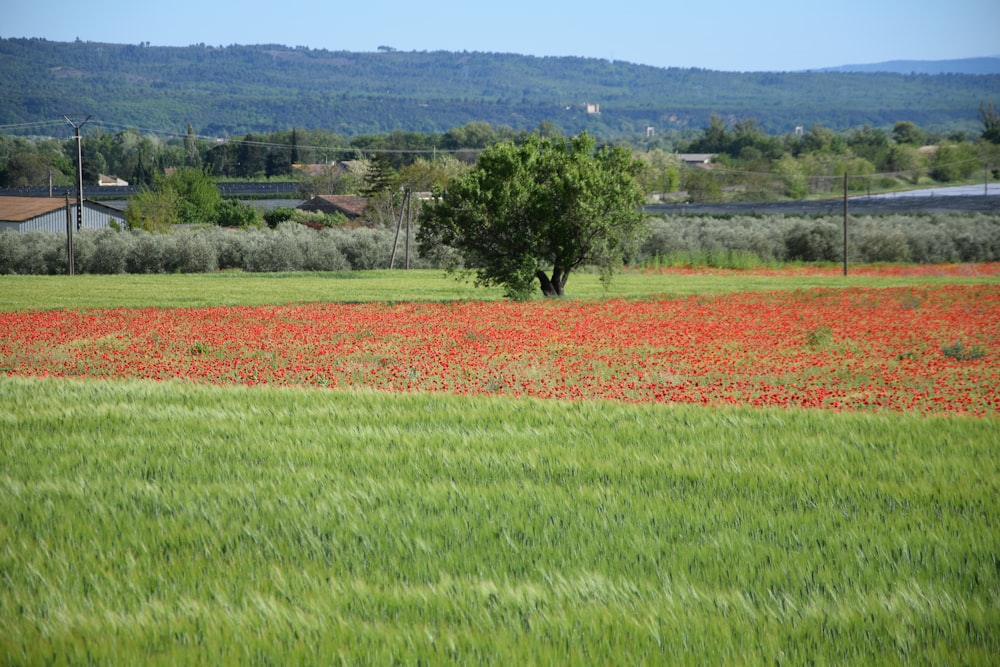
x,y
365,248
931,244
111,252
278,215
190,252
234,213
231,247
321,253
278,250
877,243
818,242
736,242
146,254
10,251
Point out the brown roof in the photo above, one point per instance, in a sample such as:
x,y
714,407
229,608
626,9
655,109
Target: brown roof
x,y
19,209
350,205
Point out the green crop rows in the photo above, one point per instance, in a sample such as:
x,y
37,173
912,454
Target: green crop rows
x,y
172,523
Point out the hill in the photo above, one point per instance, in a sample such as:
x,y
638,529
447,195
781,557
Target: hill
x,y
223,91
989,65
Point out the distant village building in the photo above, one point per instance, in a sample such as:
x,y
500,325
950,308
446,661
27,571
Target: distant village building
x,y
48,214
105,181
593,108
696,159
350,206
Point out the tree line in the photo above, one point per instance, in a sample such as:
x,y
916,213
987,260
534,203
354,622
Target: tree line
x,y
748,163
233,90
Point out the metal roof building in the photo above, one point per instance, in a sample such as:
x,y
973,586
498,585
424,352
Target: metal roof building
x,y
48,214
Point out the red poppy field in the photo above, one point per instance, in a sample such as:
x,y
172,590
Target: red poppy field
x,y
928,349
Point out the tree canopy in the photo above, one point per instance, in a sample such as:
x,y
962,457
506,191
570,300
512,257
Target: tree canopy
x,y
539,210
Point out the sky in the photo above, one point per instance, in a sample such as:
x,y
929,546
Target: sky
x,y
722,34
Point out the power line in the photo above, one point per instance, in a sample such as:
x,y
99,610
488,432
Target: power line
x,y
263,144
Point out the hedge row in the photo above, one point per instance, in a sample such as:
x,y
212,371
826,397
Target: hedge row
x,y
290,247
294,247
922,239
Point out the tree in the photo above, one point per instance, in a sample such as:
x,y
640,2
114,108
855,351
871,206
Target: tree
x,y
545,205
251,157
380,177
991,123
192,157
907,132
29,168
186,196
661,172
714,139
198,194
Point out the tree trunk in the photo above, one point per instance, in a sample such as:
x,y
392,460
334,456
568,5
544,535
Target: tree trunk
x,y
554,286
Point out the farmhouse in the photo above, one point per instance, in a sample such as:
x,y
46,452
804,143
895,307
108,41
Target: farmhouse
x,y
48,214
696,159
105,181
350,206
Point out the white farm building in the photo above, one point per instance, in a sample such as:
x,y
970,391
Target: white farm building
x,y
48,214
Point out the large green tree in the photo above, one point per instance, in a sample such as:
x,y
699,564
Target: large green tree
x,y
991,123
539,210
188,195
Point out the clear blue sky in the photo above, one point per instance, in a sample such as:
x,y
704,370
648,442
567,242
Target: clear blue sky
x,y
720,34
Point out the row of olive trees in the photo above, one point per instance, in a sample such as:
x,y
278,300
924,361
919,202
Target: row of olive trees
x,y
290,247
715,240
893,238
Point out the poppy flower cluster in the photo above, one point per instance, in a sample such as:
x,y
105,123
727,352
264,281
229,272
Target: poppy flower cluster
x,y
930,349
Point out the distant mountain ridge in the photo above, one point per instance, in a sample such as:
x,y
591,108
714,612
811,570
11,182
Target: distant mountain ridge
x,y
233,90
985,65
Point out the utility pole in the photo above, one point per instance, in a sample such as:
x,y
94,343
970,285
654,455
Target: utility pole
x,y
79,169
404,210
845,223
69,238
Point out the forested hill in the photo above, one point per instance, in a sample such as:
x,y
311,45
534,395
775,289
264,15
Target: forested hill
x,y
222,91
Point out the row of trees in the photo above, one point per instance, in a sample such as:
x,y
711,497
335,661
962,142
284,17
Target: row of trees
x,y
755,165
730,242
793,164
748,162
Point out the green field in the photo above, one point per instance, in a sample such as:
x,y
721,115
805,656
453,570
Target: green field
x,y
175,523
194,290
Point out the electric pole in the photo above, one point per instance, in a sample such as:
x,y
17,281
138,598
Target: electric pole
x,y
79,169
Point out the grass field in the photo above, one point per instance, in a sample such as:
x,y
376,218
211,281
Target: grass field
x,y
173,522
180,524
236,288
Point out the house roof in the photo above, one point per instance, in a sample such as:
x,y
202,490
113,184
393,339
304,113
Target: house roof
x,y
350,205
19,209
696,158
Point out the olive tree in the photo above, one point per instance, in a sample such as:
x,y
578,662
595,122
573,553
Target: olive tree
x,y
538,210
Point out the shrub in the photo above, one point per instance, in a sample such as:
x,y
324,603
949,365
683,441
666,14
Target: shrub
x,y
278,215
365,248
962,352
931,244
231,247
321,253
190,252
278,250
111,252
10,251
818,242
146,254
234,213
876,243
